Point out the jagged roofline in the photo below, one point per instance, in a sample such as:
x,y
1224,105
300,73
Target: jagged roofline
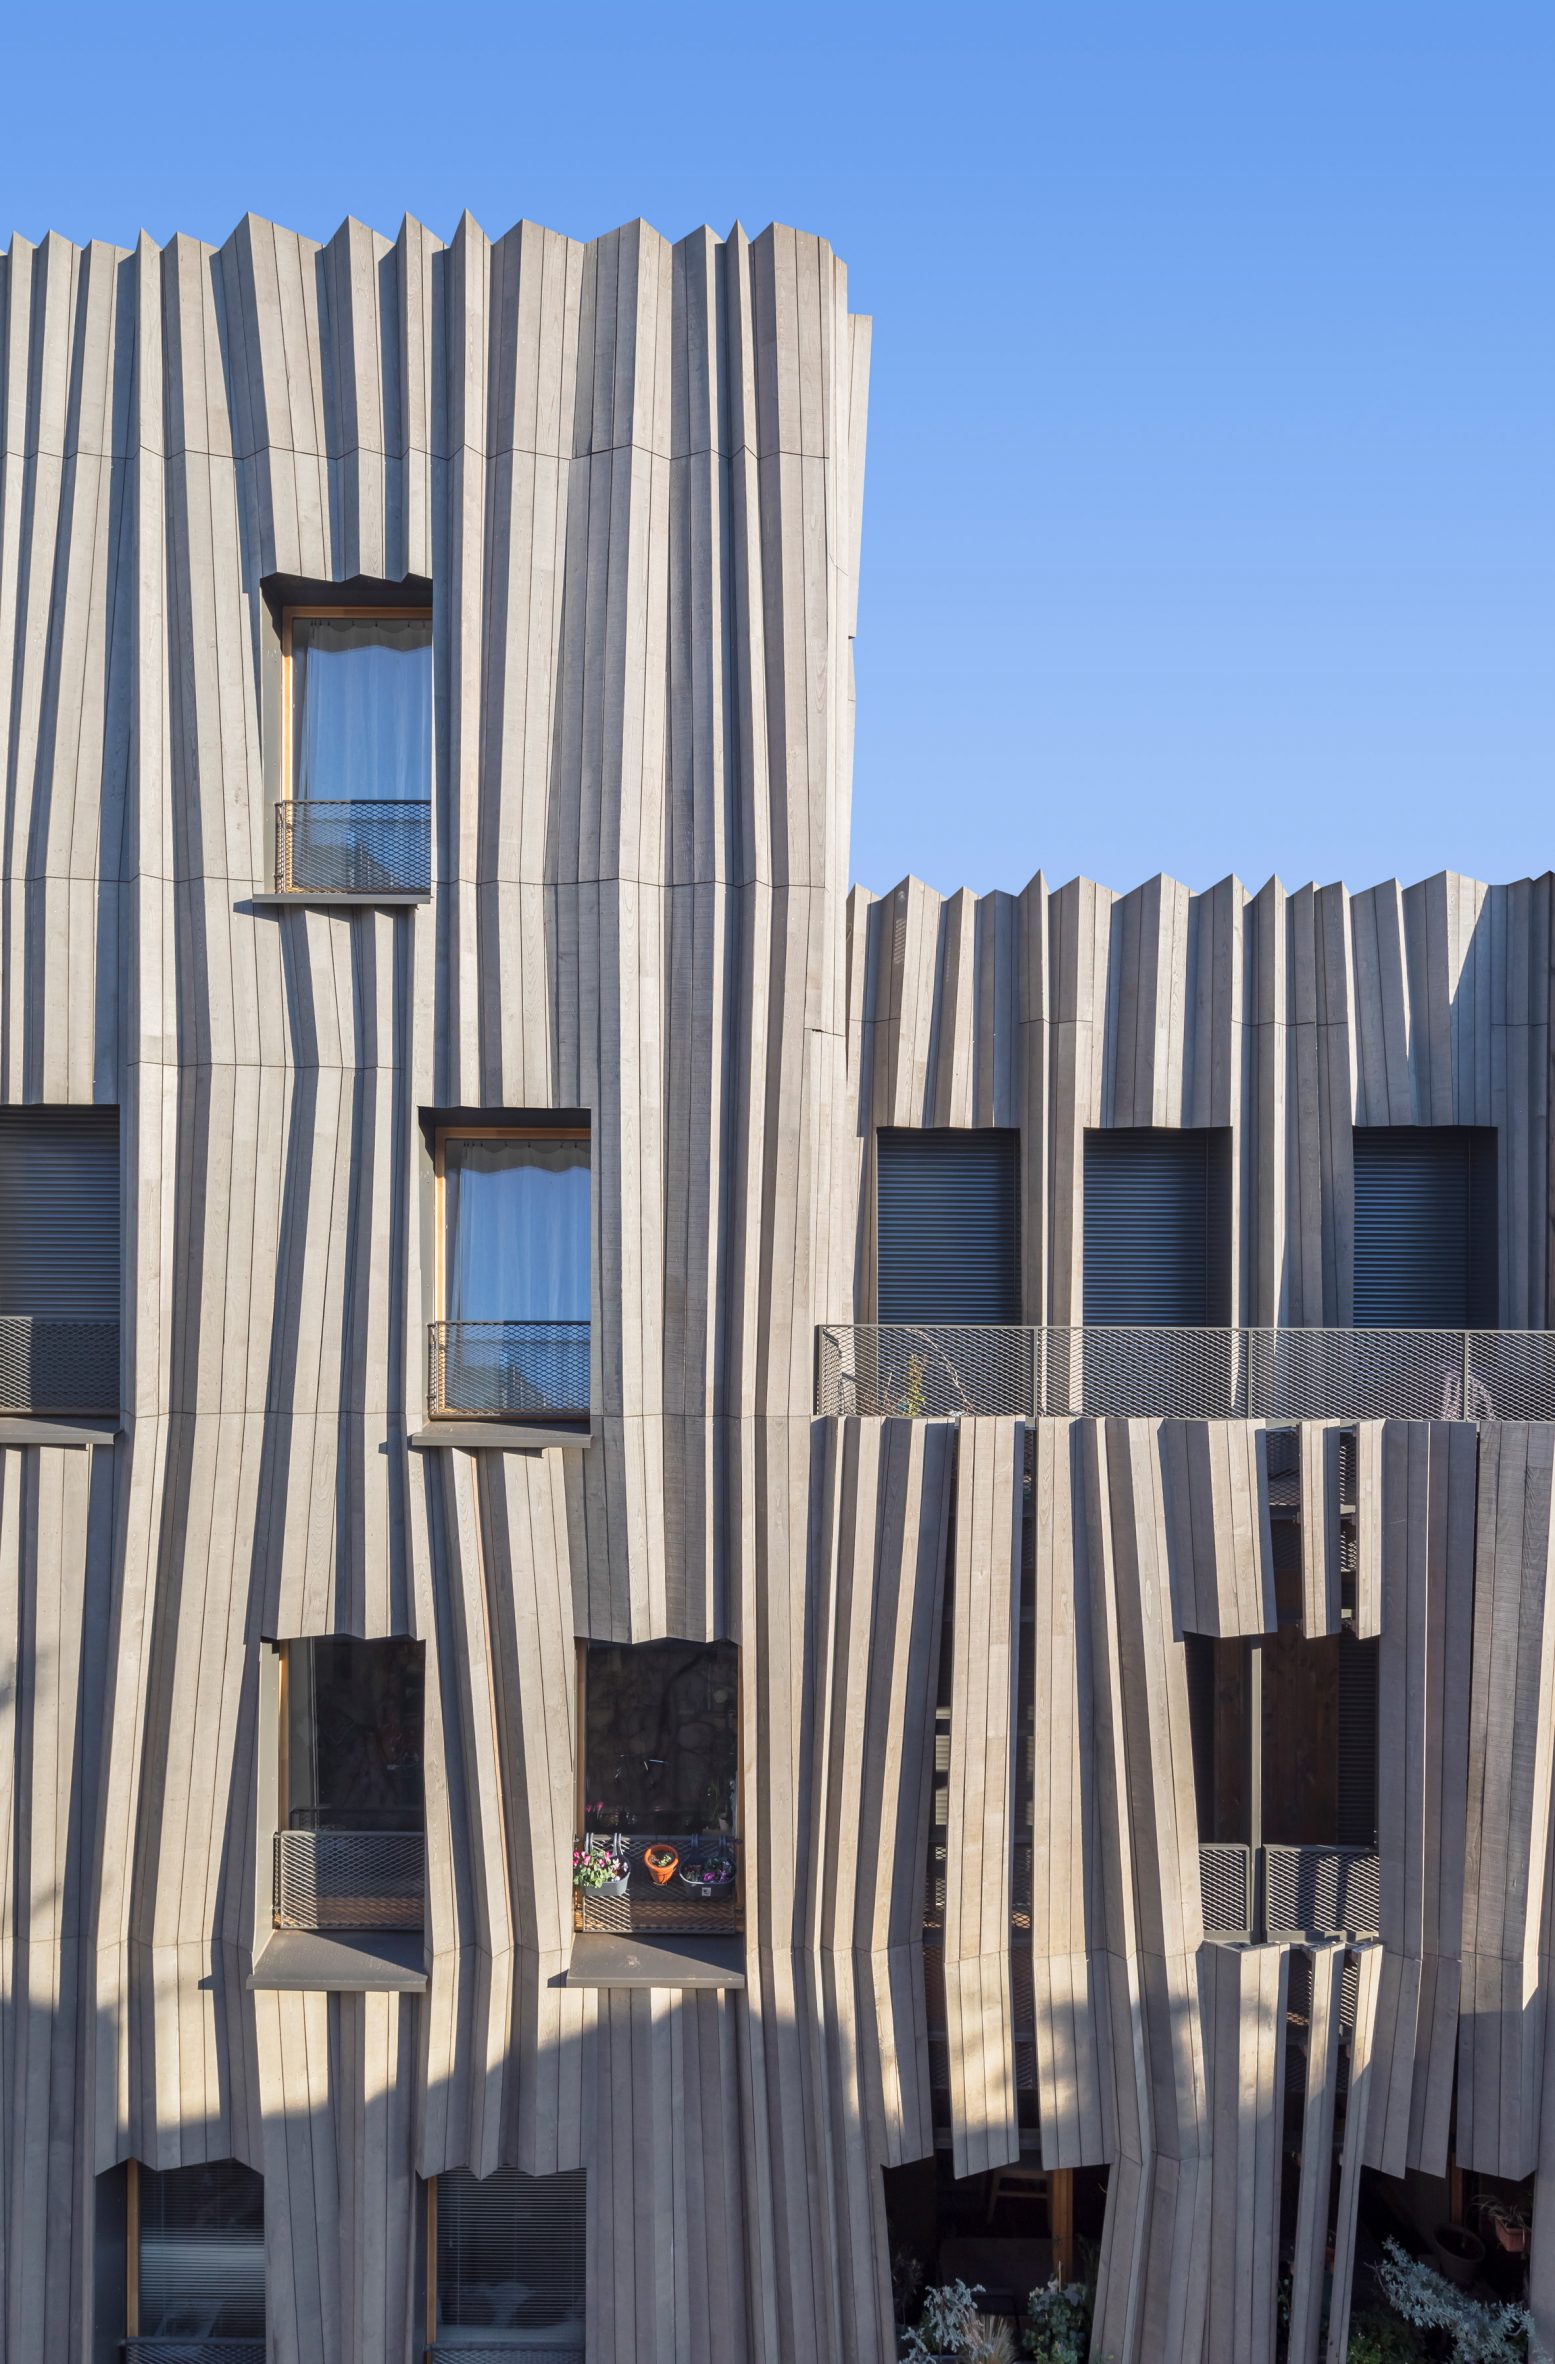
x,y
1038,883
410,228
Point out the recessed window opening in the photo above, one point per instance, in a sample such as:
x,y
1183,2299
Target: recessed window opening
x,y
357,697
60,1225
350,1853
1426,1253
659,1824
1158,1228
196,2259
509,2270
948,1226
515,1276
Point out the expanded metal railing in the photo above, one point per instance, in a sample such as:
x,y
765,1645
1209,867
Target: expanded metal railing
x,y
1321,1891
349,1879
526,2354
195,2351
690,1896
1298,1892
525,1370
58,1366
945,1370
353,846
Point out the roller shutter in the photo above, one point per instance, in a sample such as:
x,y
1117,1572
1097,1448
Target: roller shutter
x,y
202,2252
948,1209
1425,1227
1157,1227
511,2260
59,1213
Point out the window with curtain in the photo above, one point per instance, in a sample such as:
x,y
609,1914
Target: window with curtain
x,y
361,707
201,2253
510,2258
517,1214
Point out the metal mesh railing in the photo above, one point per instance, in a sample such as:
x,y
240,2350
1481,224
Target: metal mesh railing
x,y
944,1370
521,1369
349,1879
1321,1891
1226,1884
682,1902
527,2353
353,845
195,2351
58,1366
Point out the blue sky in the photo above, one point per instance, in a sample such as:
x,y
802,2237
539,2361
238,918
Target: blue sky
x,y
1210,518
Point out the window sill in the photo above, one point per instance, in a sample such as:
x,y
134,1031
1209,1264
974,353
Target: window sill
x,y
47,1428
502,1436
352,1962
639,1961
295,898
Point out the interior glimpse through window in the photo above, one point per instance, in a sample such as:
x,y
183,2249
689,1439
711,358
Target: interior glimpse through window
x,y
361,706
201,2253
509,2263
353,1735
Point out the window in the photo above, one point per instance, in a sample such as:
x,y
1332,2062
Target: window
x,y
660,1772
948,1212
350,1852
1158,1228
1425,1227
197,2259
59,1260
356,817
515,1281
508,2264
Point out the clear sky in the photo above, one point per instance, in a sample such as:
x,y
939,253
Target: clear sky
x,y
1210,516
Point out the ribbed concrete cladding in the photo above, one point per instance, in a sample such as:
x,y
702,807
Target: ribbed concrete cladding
x,y
631,473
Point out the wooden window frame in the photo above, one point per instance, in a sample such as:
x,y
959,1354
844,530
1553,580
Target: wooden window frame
x,y
342,613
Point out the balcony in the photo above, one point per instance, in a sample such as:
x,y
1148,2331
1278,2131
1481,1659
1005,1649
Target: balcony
x,y
361,1879
673,1886
525,1370
948,1371
58,1366
1279,1894
194,2351
353,846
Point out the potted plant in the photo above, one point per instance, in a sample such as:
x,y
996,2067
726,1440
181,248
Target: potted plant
x,y
1058,2322
1473,2330
602,1866
1508,2220
947,2321
710,1872
659,1861
1459,2253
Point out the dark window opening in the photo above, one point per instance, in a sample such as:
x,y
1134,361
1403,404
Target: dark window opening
x,y
948,1226
1426,1249
353,1737
1158,1228
509,2262
199,2248
1008,2229
659,1847
60,1227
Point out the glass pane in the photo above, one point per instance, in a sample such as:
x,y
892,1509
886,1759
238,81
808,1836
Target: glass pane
x,y
202,2253
661,1751
518,1230
354,1721
362,707
510,2260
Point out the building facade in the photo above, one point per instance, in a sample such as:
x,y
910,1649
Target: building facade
x,y
711,1592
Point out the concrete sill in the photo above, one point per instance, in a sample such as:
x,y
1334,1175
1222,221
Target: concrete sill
x,y
40,1428
294,899
600,1961
341,1962
501,1436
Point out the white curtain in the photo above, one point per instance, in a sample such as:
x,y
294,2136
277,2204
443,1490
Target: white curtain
x,y
362,707
518,1230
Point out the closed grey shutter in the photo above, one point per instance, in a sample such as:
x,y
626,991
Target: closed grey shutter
x,y
1157,1228
948,1208
1425,1227
1358,1667
511,2259
202,2253
59,1213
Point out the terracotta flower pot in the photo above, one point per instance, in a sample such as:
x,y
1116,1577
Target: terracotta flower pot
x,y
661,1863
1513,2238
1459,2253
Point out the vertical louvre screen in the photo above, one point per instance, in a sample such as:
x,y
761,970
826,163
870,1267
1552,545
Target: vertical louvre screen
x,y
202,2253
1357,1742
59,1213
1425,1228
1157,1228
949,1226
510,2261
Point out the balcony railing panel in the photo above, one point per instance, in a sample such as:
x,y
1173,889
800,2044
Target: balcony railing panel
x,y
1321,1891
196,2351
353,846
524,2353
349,1879
517,1370
946,1370
676,1906
58,1366
1226,1883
